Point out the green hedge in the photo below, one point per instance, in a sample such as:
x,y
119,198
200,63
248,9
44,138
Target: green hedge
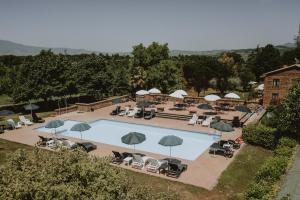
x,y
270,172
259,134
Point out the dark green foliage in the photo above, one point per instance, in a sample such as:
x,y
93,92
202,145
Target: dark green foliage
x,y
288,57
289,117
261,135
270,172
198,71
272,169
67,175
257,190
263,60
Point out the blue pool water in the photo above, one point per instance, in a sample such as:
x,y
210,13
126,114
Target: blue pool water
x,y
110,132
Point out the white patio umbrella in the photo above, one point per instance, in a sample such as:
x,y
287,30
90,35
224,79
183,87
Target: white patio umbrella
x,y
232,96
182,92
176,95
142,92
260,87
212,97
154,91
252,82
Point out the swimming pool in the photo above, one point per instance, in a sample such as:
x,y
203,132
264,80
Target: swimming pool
x,y
110,132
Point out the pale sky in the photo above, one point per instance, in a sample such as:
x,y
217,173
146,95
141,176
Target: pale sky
x,y
115,26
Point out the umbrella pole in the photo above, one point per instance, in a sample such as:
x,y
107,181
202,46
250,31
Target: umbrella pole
x,y
170,151
134,148
80,135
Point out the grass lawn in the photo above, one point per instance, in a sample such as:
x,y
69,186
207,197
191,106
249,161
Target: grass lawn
x,y
232,183
4,99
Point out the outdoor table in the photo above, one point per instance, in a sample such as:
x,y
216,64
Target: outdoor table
x,y
199,121
128,160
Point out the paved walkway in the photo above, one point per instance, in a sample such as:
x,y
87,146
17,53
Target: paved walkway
x,y
291,185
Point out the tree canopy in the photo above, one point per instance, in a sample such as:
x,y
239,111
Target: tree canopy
x,y
40,174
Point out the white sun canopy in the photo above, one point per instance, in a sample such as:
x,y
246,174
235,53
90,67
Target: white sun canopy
x,y
232,96
212,97
176,95
142,92
154,91
182,92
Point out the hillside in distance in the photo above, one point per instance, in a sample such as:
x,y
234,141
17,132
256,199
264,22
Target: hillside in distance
x,y
12,48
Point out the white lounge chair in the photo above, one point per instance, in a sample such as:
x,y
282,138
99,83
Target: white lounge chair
x,y
12,123
207,121
138,162
193,120
155,165
124,112
69,144
133,112
25,121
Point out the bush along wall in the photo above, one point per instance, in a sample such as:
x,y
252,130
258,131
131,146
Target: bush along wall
x,y
264,185
261,135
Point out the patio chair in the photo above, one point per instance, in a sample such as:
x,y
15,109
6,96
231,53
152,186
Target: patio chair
x,y
25,121
193,120
132,112
150,115
175,169
37,119
124,112
139,162
11,123
156,165
116,111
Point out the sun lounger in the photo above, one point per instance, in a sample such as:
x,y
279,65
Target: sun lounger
x,y
117,157
139,114
87,146
25,121
233,144
175,169
193,120
150,115
139,162
156,165
207,121
69,144
124,112
132,112
116,111
37,119
13,125
216,148
43,141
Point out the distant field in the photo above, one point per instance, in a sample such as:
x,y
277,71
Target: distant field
x,y
232,183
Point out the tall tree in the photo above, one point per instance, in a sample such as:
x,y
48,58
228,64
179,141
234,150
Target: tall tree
x,y
198,71
263,60
289,119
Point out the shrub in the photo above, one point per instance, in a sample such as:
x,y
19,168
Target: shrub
x,y
259,134
258,190
287,142
67,175
283,151
272,169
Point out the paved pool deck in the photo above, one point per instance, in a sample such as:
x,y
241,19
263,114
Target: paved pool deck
x,y
202,172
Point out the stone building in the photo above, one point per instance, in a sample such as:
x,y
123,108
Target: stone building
x,y
278,82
